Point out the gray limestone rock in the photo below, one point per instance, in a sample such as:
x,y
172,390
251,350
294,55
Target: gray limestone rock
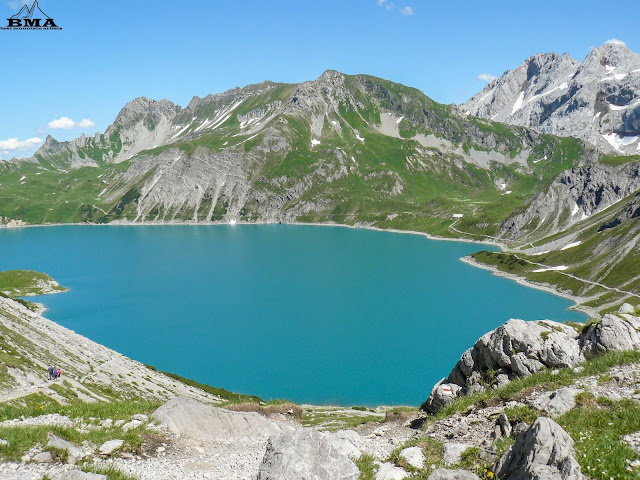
x,y
442,394
109,447
388,471
74,452
610,334
444,474
558,402
595,100
544,452
305,454
78,475
626,308
578,193
452,454
185,416
42,457
413,456
515,349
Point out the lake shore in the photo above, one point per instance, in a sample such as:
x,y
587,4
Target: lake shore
x,y
538,286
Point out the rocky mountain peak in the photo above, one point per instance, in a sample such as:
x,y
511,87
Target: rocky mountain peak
x,y
597,100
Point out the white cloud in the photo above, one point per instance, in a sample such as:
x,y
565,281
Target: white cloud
x,y
615,41
15,144
85,123
486,77
65,123
407,11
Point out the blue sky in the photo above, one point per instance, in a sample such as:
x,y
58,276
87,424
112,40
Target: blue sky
x,y
109,52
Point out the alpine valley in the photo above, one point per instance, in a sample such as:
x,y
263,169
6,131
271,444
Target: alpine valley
x,y
363,151
543,162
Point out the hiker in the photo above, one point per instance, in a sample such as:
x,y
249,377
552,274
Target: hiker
x,y
50,372
58,373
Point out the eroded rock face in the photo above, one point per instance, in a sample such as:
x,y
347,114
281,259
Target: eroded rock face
x,y
191,418
519,349
515,349
305,454
595,100
610,334
574,195
544,452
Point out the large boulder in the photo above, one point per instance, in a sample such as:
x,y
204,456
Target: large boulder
x,y
543,452
627,309
609,334
305,454
442,394
515,349
188,417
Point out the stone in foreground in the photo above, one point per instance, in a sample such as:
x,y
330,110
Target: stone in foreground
x,y
413,456
558,402
305,454
107,448
544,452
74,452
388,471
78,475
453,452
185,416
444,474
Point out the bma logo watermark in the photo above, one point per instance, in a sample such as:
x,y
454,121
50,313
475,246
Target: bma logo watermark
x,y
31,19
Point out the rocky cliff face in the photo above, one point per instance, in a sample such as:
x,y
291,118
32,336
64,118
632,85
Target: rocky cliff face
x,y
597,100
519,349
575,195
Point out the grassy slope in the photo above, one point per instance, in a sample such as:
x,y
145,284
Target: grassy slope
x,y
601,257
21,283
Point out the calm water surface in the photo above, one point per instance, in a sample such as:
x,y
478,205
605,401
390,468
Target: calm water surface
x,y
312,314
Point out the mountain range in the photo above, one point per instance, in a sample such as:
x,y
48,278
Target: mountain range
x,y
597,100
364,151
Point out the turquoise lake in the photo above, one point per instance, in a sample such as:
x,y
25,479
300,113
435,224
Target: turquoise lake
x,y
324,315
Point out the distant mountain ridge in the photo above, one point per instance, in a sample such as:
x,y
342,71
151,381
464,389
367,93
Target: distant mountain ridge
x,y
597,100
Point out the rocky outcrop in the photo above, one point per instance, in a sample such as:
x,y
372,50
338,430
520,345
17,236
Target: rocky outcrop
x,y
515,349
185,416
305,454
611,333
544,452
597,100
520,349
574,195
